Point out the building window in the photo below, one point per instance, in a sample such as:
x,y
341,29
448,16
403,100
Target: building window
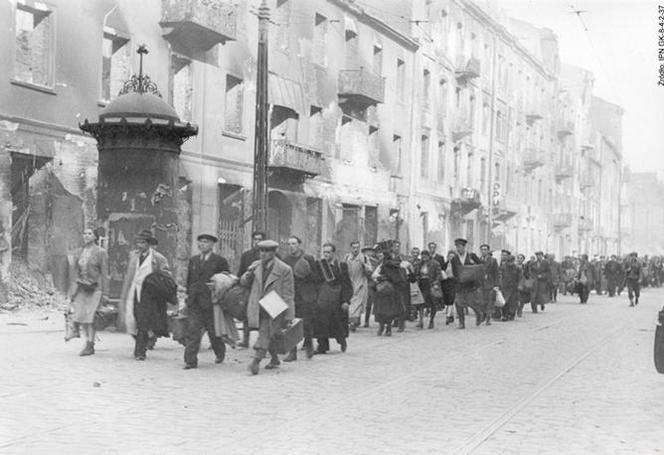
x,y
457,164
425,228
441,161
485,118
496,175
282,17
378,59
443,97
457,100
469,170
34,44
426,84
370,225
116,64
320,40
233,101
352,50
181,87
374,151
316,126
424,164
483,175
396,145
499,126
472,111
401,78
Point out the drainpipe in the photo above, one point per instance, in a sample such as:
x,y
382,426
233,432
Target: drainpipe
x,y
491,142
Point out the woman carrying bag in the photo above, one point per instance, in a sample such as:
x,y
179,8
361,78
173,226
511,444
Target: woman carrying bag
x,y
428,275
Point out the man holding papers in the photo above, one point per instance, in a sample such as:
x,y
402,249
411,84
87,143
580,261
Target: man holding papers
x,y
271,303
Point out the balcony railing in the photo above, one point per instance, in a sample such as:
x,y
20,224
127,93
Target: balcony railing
x,y
507,207
469,69
462,126
362,86
199,24
533,158
565,128
564,171
468,200
561,220
295,159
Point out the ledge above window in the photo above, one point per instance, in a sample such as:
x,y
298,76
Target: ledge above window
x,y
231,134
31,86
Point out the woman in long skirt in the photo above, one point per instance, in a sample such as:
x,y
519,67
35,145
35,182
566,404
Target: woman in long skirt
x,y
88,285
387,304
428,275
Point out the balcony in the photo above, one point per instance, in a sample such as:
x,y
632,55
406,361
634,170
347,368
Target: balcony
x,y
462,127
564,129
532,115
468,70
532,159
564,171
361,86
468,201
586,181
585,224
505,208
198,24
561,220
294,160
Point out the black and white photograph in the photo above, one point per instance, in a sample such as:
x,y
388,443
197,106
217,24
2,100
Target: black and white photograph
x,y
332,227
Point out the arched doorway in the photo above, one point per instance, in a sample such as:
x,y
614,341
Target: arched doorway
x,y
279,218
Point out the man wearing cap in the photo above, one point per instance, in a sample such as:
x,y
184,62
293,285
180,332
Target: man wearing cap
x,y
467,294
143,261
490,282
306,292
540,271
200,315
359,270
249,257
268,274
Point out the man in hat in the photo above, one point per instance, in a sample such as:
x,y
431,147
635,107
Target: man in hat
x,y
200,314
510,275
613,272
306,291
359,270
433,246
143,261
249,257
268,274
540,271
467,294
490,283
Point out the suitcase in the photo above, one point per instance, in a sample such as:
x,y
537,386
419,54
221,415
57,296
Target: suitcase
x,y
471,274
659,343
287,338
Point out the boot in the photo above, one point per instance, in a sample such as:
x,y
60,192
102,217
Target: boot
x,y
89,349
402,325
488,319
310,351
381,327
431,323
274,363
479,317
292,356
462,325
388,331
449,320
253,366
420,325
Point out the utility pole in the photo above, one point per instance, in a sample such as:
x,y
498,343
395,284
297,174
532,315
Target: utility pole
x,y
261,142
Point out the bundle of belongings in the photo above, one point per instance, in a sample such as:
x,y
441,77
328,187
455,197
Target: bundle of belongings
x,y
230,302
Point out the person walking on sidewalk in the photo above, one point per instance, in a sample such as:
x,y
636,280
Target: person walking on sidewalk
x,y
613,272
306,292
428,275
89,282
249,257
200,315
583,278
387,305
331,311
449,285
633,275
467,293
509,278
143,261
489,284
359,270
540,271
268,274
371,253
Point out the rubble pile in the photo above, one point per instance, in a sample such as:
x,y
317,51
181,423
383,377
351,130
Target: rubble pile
x,y
29,288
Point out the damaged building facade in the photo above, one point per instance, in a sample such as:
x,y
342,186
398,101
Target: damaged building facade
x,y
420,120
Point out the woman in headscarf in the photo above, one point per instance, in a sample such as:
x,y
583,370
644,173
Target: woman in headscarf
x,y
387,304
89,281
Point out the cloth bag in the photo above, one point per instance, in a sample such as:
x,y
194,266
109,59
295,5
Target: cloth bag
x,y
436,290
234,302
500,299
416,297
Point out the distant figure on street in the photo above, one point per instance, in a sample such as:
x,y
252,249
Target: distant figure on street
x,y
428,275
510,276
555,277
489,284
268,274
359,270
89,283
200,315
386,275
584,278
613,271
371,253
143,261
467,293
449,285
249,257
633,276
540,272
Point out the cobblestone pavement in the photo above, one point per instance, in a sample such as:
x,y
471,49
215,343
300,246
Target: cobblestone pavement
x,y
573,379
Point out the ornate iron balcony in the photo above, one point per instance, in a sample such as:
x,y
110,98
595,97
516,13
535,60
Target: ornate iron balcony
x,y
462,126
468,200
505,209
532,159
469,70
533,114
565,128
564,171
295,159
362,86
561,220
585,224
199,24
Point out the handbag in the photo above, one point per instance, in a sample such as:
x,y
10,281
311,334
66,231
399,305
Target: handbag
x,y
471,274
500,299
416,297
384,288
583,279
105,316
436,290
177,325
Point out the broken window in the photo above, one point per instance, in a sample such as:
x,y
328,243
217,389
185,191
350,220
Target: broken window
x,y
233,102
396,144
401,78
374,149
441,161
370,225
116,63
320,40
34,44
282,17
424,164
283,123
181,87
378,59
316,127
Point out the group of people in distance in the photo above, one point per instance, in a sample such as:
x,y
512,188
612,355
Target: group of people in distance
x,y
332,296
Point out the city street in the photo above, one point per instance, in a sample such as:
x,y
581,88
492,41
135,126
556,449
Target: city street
x,y
573,379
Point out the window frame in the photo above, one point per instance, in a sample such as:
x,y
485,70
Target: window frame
x,y
48,88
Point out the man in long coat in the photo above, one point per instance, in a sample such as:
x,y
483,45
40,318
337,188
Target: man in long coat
x,y
268,274
336,290
490,283
467,294
613,272
540,271
200,315
510,275
306,292
556,275
246,259
143,261
359,270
